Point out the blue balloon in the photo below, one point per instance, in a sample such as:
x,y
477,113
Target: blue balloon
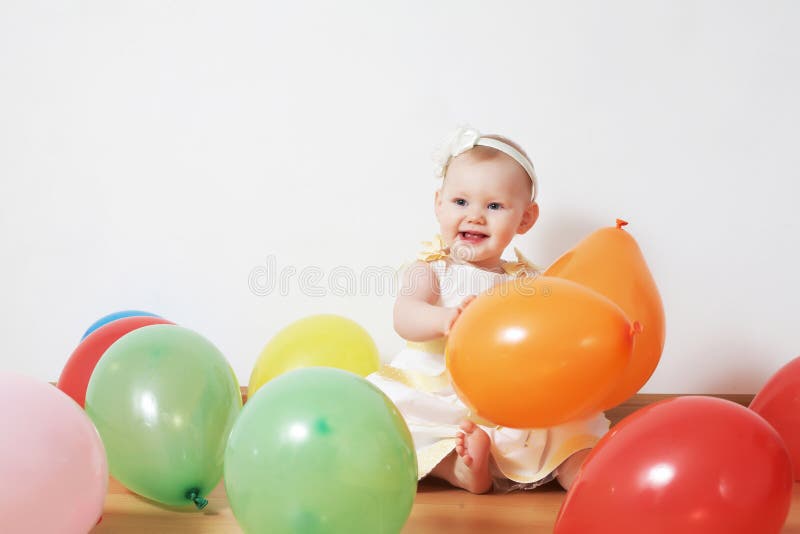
x,y
117,315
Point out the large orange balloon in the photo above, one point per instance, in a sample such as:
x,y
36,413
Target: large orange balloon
x,y
537,352
610,262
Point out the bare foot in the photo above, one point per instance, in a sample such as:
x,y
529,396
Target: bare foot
x,y
471,467
567,472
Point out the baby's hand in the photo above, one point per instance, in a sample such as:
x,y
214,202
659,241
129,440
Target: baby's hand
x,y
455,313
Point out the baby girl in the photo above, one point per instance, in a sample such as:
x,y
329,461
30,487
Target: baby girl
x,y
487,196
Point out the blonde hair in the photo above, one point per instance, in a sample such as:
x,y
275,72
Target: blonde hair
x,y
485,153
506,140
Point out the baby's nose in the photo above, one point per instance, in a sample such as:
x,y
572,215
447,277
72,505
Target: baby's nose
x,y
476,216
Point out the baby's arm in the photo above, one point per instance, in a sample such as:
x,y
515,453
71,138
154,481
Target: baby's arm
x,y
416,316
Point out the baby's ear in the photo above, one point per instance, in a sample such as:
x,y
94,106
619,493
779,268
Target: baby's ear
x,y
529,218
437,202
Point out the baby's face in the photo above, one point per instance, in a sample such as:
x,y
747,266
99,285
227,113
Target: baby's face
x,y
482,205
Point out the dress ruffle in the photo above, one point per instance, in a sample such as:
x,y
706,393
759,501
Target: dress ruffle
x,y
418,383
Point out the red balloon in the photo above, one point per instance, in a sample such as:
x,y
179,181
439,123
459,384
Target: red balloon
x,y
76,373
684,465
779,403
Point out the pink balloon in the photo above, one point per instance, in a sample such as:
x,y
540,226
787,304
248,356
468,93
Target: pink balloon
x,y
53,470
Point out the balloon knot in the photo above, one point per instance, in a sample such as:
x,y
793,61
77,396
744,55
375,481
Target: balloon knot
x,y
621,223
194,496
636,328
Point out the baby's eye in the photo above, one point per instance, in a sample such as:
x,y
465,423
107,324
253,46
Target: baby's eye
x,y
460,202
494,206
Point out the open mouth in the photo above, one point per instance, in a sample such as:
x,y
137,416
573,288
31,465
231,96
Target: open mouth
x,y
472,237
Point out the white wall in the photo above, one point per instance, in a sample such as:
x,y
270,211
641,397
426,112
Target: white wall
x,y
152,154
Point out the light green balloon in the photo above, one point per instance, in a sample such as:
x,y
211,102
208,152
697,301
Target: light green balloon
x,y
164,400
320,450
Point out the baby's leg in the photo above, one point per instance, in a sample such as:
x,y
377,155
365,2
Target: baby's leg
x,y
568,470
468,466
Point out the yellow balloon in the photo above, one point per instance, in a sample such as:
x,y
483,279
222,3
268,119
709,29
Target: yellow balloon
x,y
316,341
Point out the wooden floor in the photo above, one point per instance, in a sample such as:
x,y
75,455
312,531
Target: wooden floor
x,y
437,509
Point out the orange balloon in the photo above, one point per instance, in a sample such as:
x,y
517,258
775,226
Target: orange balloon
x,y
537,352
610,262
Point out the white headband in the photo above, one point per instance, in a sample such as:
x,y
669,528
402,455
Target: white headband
x,y
464,139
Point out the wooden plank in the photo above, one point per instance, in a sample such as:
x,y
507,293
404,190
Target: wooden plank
x,y
438,508
615,415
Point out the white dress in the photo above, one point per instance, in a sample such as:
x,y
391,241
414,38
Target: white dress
x,y
417,382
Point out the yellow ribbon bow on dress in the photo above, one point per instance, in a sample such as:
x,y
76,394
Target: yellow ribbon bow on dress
x,y
434,250
522,267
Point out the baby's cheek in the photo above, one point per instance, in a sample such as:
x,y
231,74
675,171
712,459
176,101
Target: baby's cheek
x,y
506,226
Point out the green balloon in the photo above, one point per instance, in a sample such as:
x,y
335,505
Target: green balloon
x,y
164,400
320,450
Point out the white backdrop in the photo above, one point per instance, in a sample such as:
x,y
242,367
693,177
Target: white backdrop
x,y
158,155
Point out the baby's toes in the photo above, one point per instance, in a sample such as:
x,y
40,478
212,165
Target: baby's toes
x,y
467,426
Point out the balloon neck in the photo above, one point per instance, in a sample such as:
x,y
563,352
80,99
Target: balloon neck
x,y
194,496
636,328
621,223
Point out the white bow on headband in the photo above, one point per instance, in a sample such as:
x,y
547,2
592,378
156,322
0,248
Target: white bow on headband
x,y
465,138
